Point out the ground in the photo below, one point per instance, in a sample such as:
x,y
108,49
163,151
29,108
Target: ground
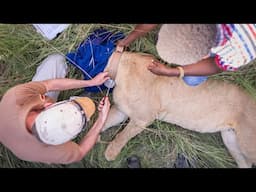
x,y
21,51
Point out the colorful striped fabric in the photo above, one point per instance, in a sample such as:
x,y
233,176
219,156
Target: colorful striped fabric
x,y
236,45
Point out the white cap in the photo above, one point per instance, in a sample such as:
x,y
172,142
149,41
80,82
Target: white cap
x,y
63,121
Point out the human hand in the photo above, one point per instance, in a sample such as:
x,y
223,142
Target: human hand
x,y
103,108
100,78
158,68
121,45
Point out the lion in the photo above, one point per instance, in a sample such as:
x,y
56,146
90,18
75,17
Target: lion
x,y
213,106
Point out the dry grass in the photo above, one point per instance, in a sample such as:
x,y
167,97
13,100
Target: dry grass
x,y
22,50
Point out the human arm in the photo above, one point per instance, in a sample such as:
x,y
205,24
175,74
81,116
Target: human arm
x,y
65,83
91,137
137,32
68,152
205,66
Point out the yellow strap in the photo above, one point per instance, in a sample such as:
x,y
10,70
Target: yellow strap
x,y
181,72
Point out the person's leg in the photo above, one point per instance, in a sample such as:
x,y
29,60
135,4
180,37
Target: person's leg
x,y
53,67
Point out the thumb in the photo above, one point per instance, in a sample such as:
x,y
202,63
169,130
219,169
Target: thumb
x,y
151,65
106,78
105,99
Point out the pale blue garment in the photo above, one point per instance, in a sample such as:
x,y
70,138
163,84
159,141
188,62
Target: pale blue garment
x,y
194,80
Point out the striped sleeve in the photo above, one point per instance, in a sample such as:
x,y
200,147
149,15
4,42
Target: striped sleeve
x,y
238,47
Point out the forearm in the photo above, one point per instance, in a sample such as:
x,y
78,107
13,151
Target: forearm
x,y
204,67
91,137
138,31
65,84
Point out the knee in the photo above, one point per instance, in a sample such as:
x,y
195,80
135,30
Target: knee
x,y
58,59
59,63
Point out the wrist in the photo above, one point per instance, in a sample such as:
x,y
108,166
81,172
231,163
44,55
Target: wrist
x,y
101,119
172,71
88,83
176,71
91,83
181,72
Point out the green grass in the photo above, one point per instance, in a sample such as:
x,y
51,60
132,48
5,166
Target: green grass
x,y
22,50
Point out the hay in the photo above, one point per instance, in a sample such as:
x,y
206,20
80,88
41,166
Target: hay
x,y
22,50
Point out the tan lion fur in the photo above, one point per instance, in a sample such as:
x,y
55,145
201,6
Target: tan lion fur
x,y
210,107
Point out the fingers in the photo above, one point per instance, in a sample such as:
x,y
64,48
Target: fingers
x,y
119,48
105,79
106,106
154,62
101,78
103,102
100,107
106,100
105,75
152,65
